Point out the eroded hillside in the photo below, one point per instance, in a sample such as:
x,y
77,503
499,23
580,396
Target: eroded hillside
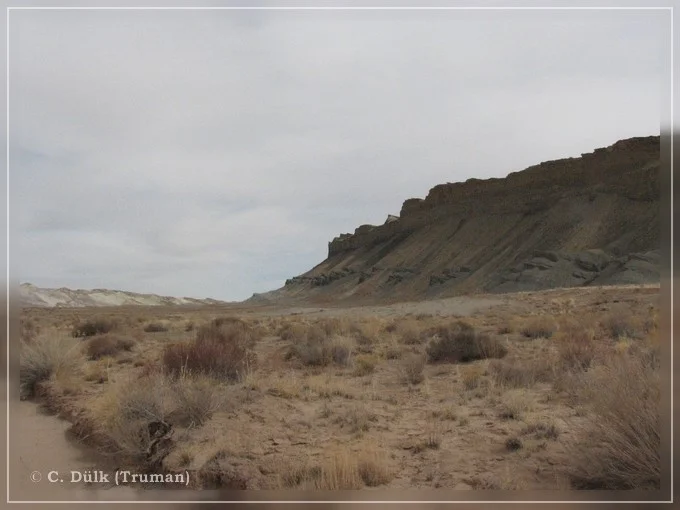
x,y
31,296
591,220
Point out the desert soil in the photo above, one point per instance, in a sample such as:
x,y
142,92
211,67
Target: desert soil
x,y
438,433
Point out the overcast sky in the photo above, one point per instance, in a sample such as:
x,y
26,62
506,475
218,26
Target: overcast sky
x,y
215,153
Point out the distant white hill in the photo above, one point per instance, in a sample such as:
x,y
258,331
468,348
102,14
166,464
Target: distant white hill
x,y
31,295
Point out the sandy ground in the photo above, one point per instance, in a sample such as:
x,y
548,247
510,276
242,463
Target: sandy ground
x,y
455,306
285,418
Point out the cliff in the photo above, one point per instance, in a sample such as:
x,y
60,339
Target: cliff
x,y
589,220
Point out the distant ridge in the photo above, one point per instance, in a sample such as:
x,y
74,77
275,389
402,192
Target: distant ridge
x,y
32,296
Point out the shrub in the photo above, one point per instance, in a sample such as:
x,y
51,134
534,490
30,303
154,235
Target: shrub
x,y
98,371
133,414
318,350
45,357
93,327
542,430
108,345
155,327
293,475
340,350
315,334
620,448
515,404
312,352
539,327
392,352
577,349
365,333
339,472
472,376
409,332
411,368
358,419
229,321
513,443
364,365
459,342
293,331
373,466
620,323
197,398
233,332
333,326
524,375
28,330
219,351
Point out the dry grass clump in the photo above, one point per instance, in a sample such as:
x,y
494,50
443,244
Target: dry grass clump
x,y
294,331
445,413
522,374
319,350
433,435
576,347
98,371
333,326
156,327
621,323
29,330
108,345
374,467
340,350
311,352
45,357
294,475
223,330
132,414
93,327
411,368
364,365
409,332
460,342
490,481
197,399
472,375
229,321
223,352
366,334
286,386
339,472
620,448
345,470
515,404
541,326
541,429
391,351
651,323
358,418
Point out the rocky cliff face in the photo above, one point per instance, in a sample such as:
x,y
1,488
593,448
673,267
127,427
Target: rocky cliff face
x,y
576,221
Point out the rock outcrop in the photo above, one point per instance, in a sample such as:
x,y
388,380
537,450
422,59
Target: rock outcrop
x,y
591,220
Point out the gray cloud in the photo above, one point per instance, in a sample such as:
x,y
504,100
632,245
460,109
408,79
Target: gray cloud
x,y
215,153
